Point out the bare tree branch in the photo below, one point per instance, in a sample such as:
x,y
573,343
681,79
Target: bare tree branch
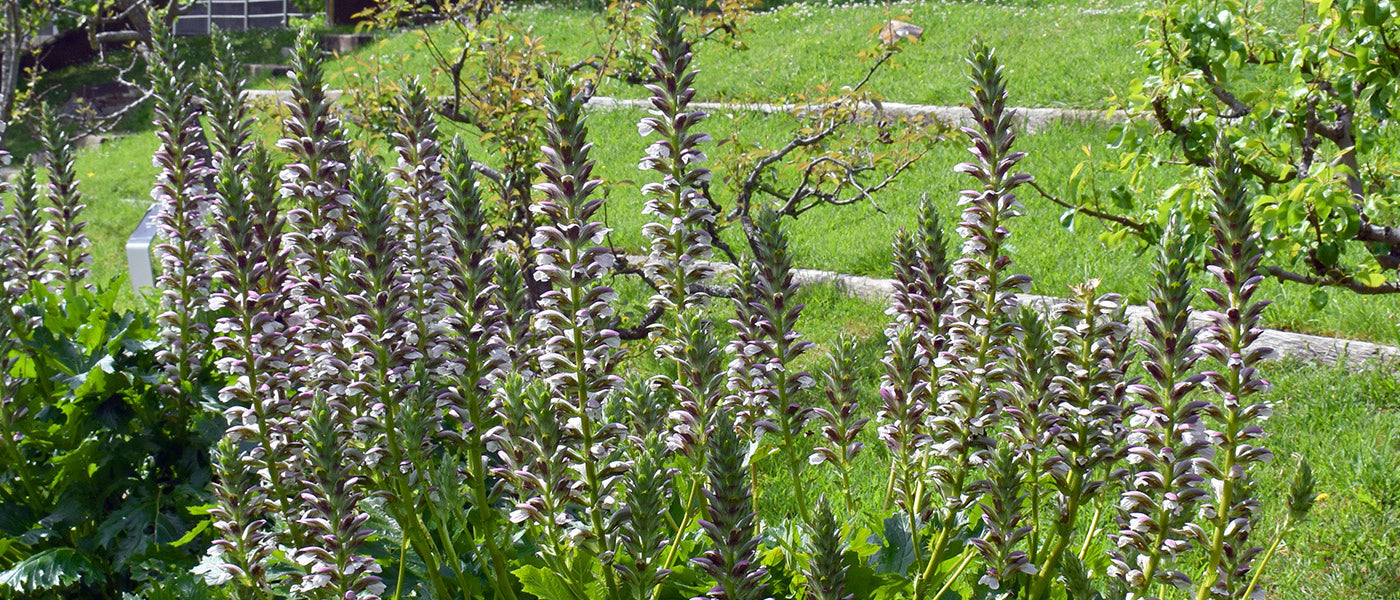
x,y
1137,226
1341,281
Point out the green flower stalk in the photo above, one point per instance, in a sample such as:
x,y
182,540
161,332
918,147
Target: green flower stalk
x,y
332,514
515,317
230,127
1030,420
733,561
699,386
916,337
767,346
15,407
579,353
251,335
477,355
679,236
1005,525
976,372
826,573
314,183
24,224
905,395
1167,438
922,288
642,406
1086,414
184,278
66,242
423,222
243,548
377,353
379,357
534,447
643,533
424,217
841,423
748,358
1231,512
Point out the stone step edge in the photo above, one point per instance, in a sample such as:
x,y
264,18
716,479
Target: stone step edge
x,y
1329,351
1031,119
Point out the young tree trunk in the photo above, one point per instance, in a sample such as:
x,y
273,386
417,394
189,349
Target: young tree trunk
x,y
9,64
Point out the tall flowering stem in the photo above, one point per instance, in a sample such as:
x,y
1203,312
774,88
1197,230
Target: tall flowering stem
x,y
642,527
1167,438
423,222
679,232
380,355
841,423
826,573
229,124
15,326
514,321
1030,420
314,181
679,236
533,443
767,347
729,522
1006,524
922,294
905,397
331,512
478,353
1086,415
66,243
180,191
250,274
27,263
579,353
917,335
243,547
978,366
699,386
1233,427
251,271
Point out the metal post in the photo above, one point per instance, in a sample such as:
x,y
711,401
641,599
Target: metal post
x,y
138,251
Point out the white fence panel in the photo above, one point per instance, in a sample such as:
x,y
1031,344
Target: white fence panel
x,y
234,15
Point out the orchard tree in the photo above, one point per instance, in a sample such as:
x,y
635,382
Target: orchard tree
x,y
1303,95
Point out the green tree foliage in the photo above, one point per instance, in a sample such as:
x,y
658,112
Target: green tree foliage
x,y
1301,93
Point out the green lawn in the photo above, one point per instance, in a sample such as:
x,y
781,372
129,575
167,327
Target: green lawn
x,y
1068,55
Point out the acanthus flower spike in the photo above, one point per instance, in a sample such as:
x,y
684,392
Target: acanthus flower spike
x,y
1231,512
183,199
66,242
579,350
1166,438
976,375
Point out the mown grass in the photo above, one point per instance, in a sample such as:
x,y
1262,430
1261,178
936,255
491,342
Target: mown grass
x,y
1074,54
